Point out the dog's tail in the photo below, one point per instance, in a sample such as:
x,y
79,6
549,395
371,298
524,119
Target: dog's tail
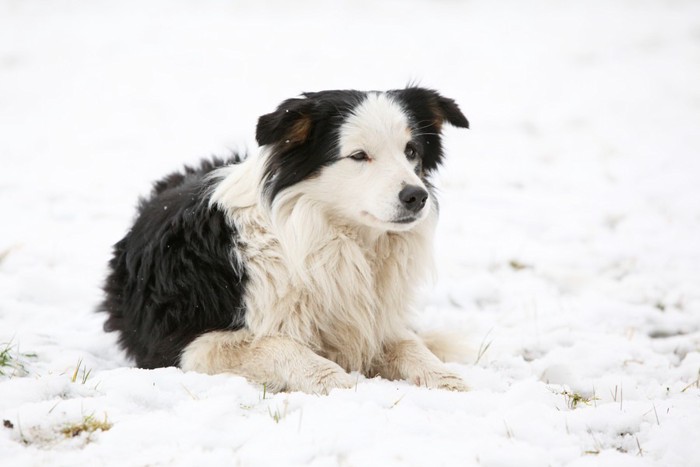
x,y
448,346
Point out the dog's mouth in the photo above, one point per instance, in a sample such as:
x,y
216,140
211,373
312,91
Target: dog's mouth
x,y
405,220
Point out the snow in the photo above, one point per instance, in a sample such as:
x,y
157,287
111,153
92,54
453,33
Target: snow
x,y
567,251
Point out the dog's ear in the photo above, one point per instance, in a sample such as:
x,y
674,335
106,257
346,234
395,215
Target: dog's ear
x,y
291,123
427,104
450,112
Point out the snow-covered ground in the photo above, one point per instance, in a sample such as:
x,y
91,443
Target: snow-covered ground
x,y
568,249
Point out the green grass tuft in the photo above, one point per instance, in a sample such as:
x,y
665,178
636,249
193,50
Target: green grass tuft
x,y
89,424
81,373
12,361
276,415
574,399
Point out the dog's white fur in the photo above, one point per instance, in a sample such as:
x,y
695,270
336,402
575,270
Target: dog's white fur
x,y
331,279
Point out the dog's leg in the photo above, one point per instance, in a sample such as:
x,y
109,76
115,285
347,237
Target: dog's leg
x,y
411,360
280,363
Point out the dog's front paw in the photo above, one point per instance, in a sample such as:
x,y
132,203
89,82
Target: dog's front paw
x,y
441,380
323,380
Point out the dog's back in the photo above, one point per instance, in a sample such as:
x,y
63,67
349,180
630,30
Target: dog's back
x,y
171,277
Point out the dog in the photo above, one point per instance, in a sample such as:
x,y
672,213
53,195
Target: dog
x,y
298,265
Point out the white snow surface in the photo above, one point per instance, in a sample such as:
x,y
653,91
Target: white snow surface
x,y
568,249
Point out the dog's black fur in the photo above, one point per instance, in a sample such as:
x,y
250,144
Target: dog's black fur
x,y
172,276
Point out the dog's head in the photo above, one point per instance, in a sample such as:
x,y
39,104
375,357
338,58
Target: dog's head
x,y
366,156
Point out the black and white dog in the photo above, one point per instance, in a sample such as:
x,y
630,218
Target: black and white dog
x,y
299,265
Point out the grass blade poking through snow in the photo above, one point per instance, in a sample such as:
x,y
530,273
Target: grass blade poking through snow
x,y
85,372
12,361
483,347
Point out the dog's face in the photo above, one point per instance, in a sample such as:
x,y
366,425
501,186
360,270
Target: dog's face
x,y
366,156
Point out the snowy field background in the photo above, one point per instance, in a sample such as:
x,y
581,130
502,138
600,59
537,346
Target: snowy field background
x,y
568,249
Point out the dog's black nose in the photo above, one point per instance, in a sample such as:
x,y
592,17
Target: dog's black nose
x,y
413,197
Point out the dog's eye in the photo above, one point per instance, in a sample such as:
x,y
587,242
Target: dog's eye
x,y
411,151
359,156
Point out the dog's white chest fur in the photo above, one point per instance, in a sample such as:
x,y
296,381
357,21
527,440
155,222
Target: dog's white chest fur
x,y
337,289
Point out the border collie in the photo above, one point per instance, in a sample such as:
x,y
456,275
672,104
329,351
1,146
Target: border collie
x,y
298,265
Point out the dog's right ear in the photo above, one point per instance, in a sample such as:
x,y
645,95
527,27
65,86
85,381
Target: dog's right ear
x,y
290,124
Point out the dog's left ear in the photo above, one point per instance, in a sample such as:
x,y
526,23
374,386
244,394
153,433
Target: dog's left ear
x,y
427,104
290,124
449,110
